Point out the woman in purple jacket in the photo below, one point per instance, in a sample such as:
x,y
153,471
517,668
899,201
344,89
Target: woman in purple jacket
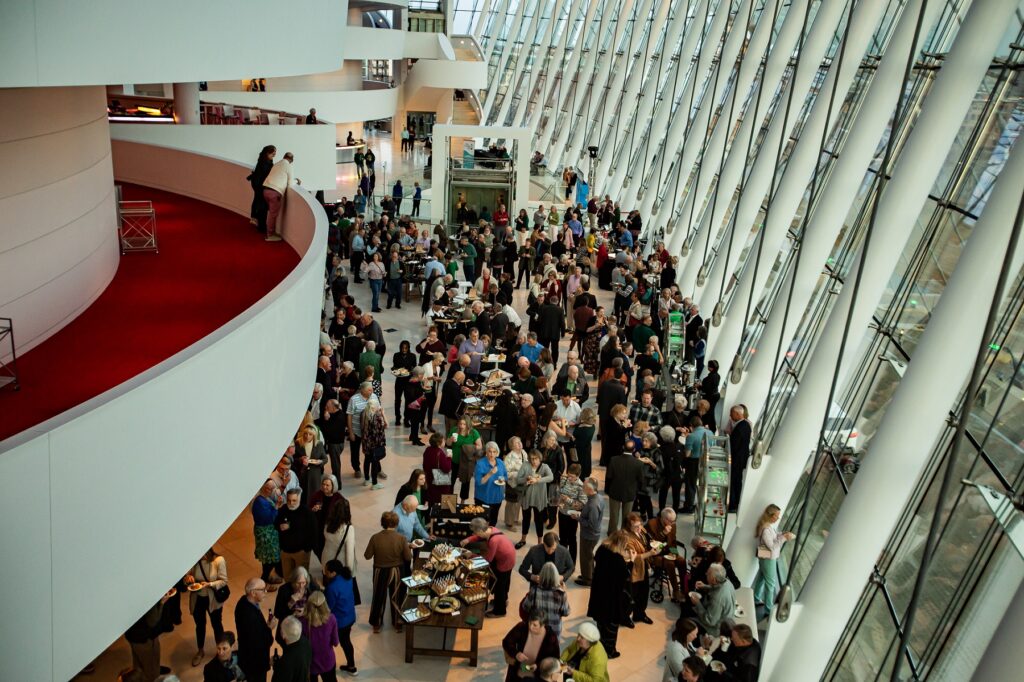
x,y
321,627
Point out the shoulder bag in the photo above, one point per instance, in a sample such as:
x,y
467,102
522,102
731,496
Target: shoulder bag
x,y
355,585
222,593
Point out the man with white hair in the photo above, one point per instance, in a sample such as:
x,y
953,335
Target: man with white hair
x,y
409,524
296,654
314,404
663,529
356,407
255,633
590,529
715,601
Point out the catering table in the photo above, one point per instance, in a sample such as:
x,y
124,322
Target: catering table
x,y
455,621
447,622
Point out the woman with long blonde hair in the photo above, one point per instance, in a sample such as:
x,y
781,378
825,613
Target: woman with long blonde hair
x,y
769,546
321,627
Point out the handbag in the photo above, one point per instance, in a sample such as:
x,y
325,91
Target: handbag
x,y
357,600
763,552
441,477
222,593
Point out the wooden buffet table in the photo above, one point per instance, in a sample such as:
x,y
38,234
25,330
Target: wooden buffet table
x,y
446,622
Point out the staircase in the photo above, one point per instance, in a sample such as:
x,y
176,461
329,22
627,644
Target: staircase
x,y
463,112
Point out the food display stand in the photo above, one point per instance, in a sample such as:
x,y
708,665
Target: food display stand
x,y
713,490
450,522
447,591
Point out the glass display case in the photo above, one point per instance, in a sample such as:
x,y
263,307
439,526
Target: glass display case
x,y
713,490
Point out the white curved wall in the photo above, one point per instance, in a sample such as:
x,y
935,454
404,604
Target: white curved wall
x,y
104,509
313,146
58,226
55,42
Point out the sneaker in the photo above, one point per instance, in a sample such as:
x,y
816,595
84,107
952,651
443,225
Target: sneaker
x,y
351,670
377,486
272,238
366,483
382,476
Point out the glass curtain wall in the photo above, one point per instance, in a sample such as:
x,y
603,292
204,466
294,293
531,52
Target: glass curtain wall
x,y
985,137
976,565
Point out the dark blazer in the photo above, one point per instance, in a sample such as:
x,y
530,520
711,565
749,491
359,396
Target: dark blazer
x,y
624,477
302,530
293,666
610,394
254,639
611,581
514,642
739,444
451,399
582,388
550,322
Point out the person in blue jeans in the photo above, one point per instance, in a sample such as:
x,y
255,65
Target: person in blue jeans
x,y
375,272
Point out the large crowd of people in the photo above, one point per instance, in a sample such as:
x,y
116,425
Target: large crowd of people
x,y
604,522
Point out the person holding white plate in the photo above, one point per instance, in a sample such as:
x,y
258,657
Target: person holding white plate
x,y
489,479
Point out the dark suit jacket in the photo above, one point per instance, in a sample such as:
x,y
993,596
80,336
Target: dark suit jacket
x,y
610,394
293,666
451,399
624,477
582,388
739,444
550,322
254,638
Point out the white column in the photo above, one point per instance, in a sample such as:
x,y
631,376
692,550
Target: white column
x,y
775,66
555,121
790,190
186,103
701,71
628,90
627,177
584,132
556,65
499,23
617,163
506,50
1001,660
478,30
716,79
924,153
581,95
837,195
524,52
540,63
757,49
815,45
902,447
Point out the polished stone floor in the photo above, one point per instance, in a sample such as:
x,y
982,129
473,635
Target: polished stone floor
x,y
381,657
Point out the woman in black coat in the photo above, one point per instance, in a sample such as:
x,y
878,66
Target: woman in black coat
x,y
610,603
258,211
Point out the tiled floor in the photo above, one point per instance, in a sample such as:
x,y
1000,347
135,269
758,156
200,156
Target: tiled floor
x,y
381,657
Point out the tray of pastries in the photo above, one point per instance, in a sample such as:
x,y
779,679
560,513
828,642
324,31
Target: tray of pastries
x,y
417,613
472,509
443,585
472,595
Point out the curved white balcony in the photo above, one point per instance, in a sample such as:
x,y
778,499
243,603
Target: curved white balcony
x,y
109,502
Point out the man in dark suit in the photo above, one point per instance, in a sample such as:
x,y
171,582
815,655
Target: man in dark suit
x,y
296,655
451,399
693,323
622,481
609,394
499,323
739,448
255,633
550,325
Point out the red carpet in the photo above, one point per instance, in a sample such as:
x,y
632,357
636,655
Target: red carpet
x,y
212,265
